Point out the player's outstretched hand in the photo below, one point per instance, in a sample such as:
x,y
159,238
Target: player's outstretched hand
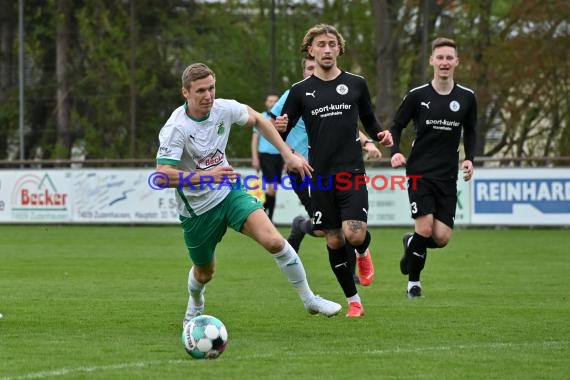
x,y
467,168
398,160
385,138
281,123
296,163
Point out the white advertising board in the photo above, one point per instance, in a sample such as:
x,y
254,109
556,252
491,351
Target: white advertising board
x,y
120,196
83,196
35,196
493,197
521,197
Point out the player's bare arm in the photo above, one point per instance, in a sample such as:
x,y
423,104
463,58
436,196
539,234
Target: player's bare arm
x,y
254,153
265,127
215,175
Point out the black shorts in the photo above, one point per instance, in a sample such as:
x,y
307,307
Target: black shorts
x,y
338,198
271,168
432,196
301,191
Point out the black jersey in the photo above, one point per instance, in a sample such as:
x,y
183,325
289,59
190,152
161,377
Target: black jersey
x,y
438,122
330,110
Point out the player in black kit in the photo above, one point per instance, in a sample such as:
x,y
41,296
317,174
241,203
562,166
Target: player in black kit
x,y
330,102
441,110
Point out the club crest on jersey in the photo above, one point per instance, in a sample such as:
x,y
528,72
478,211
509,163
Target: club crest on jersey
x,y
342,89
221,128
454,106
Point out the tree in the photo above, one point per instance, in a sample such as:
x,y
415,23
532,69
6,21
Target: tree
x,y
132,79
8,73
63,141
521,75
387,29
108,73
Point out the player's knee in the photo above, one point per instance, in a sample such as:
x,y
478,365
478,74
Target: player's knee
x,y
441,241
335,240
204,276
355,233
356,239
274,244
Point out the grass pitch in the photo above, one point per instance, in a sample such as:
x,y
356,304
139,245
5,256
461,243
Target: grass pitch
x,y
95,302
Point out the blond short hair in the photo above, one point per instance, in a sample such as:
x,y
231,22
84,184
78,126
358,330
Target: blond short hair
x,y
194,72
442,41
318,30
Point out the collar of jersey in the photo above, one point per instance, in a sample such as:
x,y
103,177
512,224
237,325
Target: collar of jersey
x,y
193,118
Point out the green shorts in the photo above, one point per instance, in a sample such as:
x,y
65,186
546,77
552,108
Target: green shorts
x,y
203,232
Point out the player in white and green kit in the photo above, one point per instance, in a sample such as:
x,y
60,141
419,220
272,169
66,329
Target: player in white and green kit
x,y
192,158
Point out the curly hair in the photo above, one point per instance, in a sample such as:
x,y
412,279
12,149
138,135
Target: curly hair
x,y
318,30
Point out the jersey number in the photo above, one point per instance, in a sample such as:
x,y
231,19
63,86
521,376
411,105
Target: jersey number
x,y
414,208
317,216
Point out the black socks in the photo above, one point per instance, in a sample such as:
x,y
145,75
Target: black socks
x,y
341,269
417,255
269,205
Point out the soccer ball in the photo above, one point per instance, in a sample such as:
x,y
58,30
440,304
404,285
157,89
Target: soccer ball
x,y
205,337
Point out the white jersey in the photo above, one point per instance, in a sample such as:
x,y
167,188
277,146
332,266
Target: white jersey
x,y
194,145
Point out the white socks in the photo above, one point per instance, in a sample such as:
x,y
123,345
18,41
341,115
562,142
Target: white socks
x,y
291,266
195,288
413,283
354,298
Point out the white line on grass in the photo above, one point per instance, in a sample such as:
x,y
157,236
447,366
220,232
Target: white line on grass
x,y
415,350
396,350
69,371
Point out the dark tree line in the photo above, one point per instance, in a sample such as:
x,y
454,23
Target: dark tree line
x,y
105,75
